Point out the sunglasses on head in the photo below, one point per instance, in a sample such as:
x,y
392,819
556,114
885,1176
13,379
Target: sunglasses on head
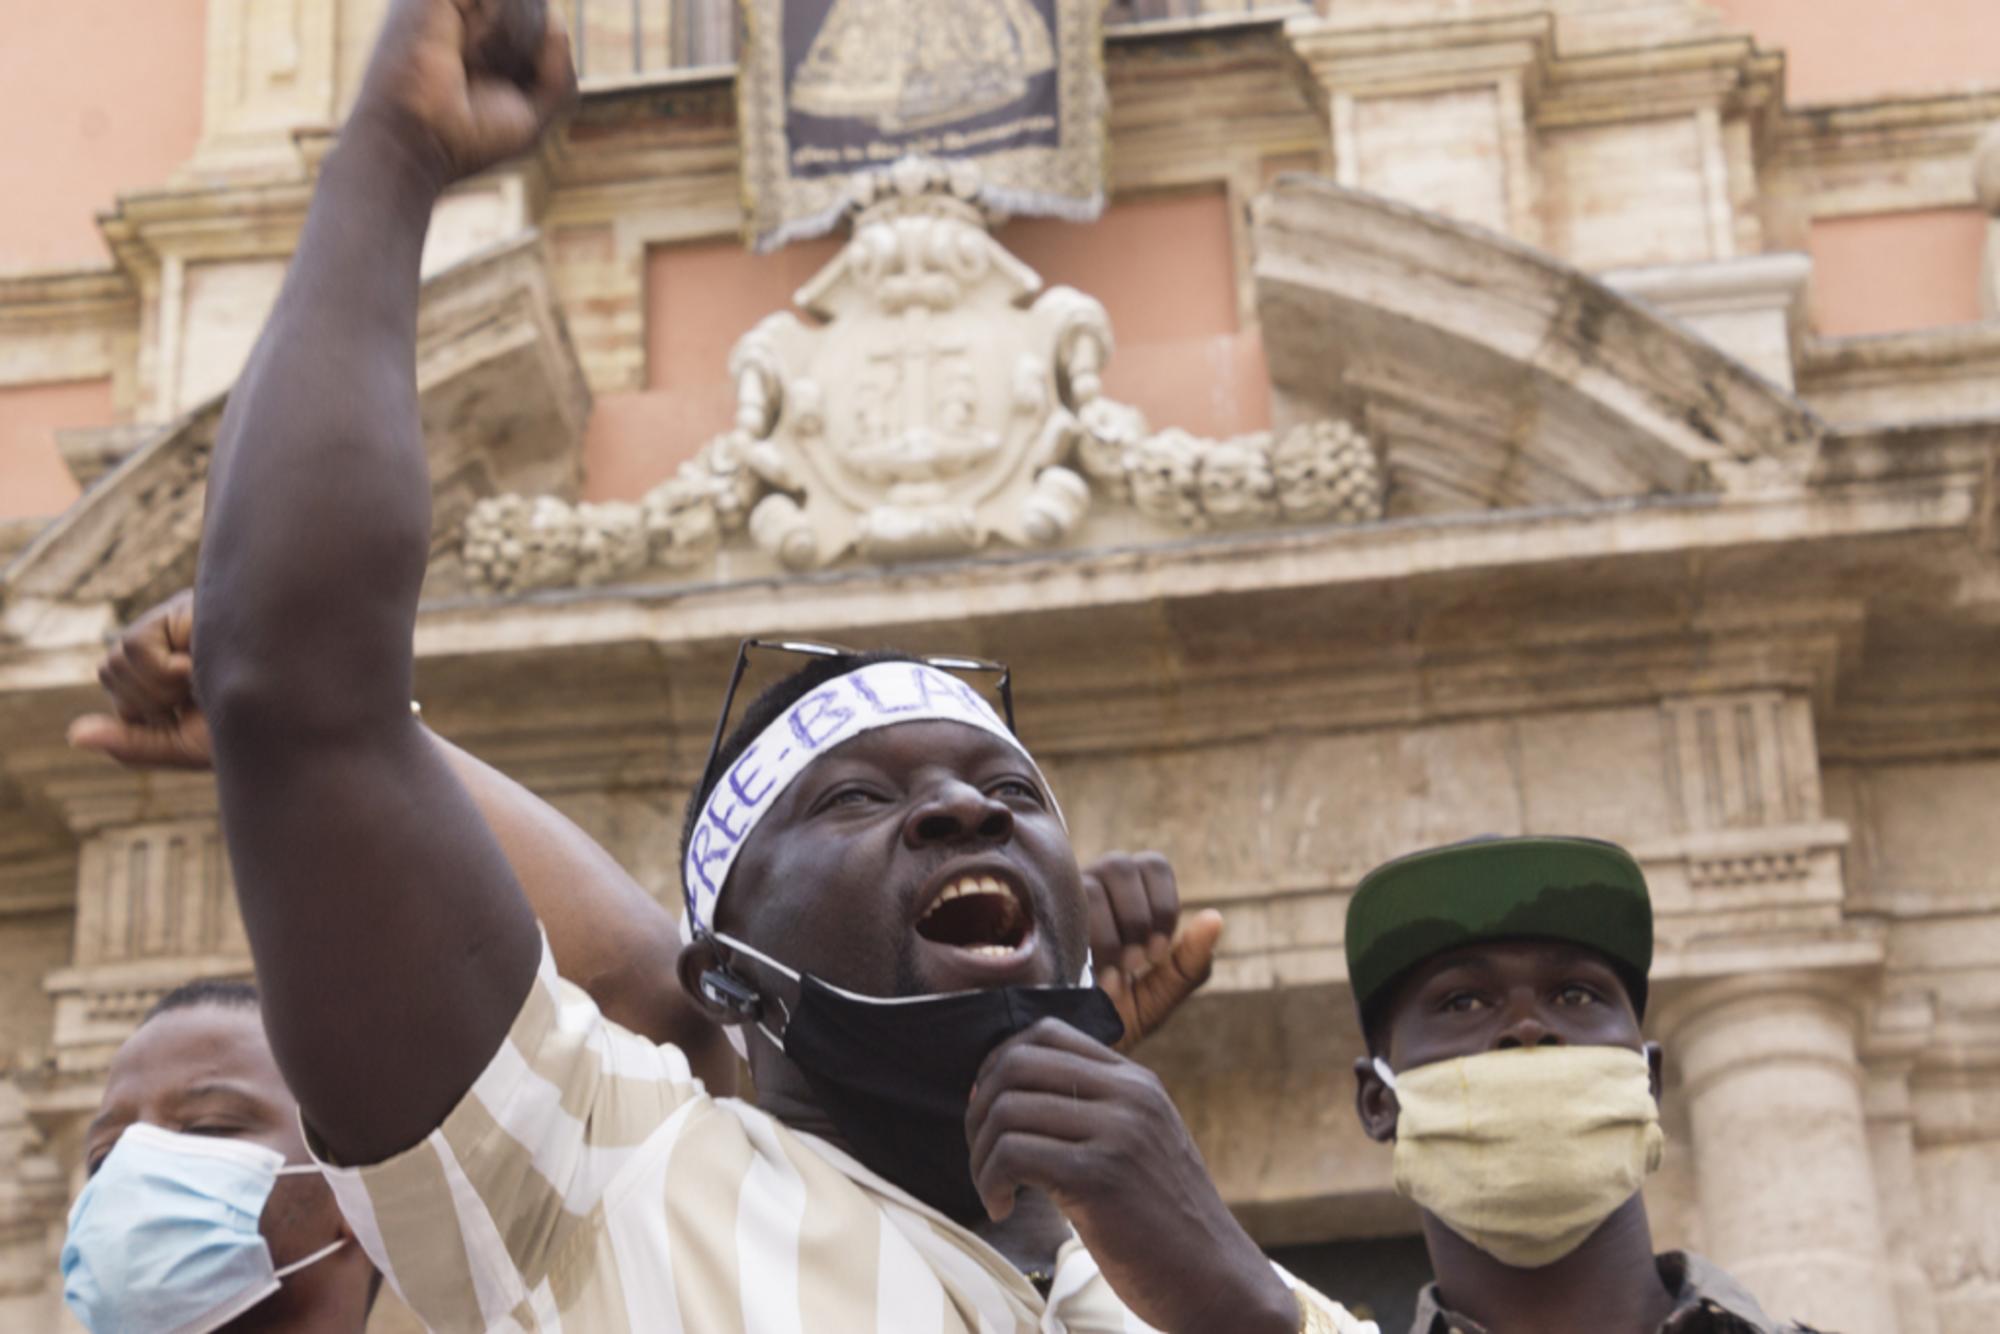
x,y
806,648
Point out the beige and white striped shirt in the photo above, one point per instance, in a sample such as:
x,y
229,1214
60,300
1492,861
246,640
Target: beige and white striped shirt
x,y
587,1183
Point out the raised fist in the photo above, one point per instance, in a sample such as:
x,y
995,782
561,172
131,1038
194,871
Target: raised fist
x,y
468,83
148,677
1148,957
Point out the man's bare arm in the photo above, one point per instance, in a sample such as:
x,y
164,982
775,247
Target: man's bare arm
x,y
393,943
608,935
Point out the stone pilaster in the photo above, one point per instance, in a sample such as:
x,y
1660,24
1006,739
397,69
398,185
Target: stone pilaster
x,y
1986,184
1892,1142
1775,1100
1438,115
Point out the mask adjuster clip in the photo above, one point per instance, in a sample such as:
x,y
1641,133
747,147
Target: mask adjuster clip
x,y
724,988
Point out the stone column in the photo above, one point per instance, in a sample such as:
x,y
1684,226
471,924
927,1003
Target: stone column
x,y
1986,185
1775,1101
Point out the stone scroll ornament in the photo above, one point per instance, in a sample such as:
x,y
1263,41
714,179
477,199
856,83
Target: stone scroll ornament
x,y
942,403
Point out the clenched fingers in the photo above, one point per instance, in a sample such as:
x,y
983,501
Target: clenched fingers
x,y
1134,906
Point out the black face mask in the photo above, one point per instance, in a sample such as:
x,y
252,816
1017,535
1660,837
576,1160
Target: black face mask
x,y
895,1075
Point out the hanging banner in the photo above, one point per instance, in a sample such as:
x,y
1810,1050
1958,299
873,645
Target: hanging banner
x,y
829,91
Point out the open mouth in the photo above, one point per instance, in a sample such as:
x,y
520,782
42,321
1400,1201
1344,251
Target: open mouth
x,y
979,914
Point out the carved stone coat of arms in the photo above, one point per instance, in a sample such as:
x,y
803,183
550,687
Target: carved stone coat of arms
x,y
925,414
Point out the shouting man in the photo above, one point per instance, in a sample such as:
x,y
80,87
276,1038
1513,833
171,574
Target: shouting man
x,y
1501,983
508,1157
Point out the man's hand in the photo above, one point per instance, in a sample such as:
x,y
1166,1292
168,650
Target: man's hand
x,y
468,83
1147,960
149,675
1055,1110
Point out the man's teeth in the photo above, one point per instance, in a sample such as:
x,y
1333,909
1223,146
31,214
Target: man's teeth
x,y
988,919
959,889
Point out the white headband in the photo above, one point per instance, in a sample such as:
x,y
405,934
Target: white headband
x,y
881,694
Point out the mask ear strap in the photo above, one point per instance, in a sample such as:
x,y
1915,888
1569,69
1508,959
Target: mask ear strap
x,y
753,1010
318,1255
757,954
1385,1074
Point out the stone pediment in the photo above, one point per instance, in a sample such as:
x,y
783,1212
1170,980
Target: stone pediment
x,y
504,405
1494,376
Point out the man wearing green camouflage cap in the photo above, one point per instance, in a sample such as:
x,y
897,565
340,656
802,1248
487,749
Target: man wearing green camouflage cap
x,y
1501,984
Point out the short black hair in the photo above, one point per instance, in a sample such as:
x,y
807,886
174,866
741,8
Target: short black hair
x,y
227,993
761,712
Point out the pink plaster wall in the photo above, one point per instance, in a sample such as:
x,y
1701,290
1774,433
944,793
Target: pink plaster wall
x,y
1887,272
33,481
1839,50
1163,267
97,97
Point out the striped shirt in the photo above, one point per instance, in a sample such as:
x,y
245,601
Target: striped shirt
x,y
587,1183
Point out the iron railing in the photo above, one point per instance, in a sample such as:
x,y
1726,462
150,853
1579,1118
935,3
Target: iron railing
x,y
621,41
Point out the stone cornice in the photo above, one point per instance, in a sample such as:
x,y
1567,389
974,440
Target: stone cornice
x,y
1684,598
1389,553
1885,156
1830,366
89,793
47,885
1289,935
236,221
1728,75
85,294
1958,718
65,326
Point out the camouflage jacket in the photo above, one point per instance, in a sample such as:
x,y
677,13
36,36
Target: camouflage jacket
x,y
1706,1301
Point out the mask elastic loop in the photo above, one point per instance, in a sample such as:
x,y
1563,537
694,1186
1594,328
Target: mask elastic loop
x,y
735,1038
1385,1074
757,954
318,1255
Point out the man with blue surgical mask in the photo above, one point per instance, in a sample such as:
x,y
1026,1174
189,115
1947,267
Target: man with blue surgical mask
x,y
202,1210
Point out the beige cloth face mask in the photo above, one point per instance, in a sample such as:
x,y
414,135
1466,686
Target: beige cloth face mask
x,y
1524,1152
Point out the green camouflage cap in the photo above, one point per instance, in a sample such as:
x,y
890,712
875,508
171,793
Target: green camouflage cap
x,y
1581,890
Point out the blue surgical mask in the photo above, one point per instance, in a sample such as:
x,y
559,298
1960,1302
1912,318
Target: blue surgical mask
x,y
164,1239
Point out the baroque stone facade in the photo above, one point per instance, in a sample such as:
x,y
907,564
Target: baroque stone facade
x,y
1563,519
